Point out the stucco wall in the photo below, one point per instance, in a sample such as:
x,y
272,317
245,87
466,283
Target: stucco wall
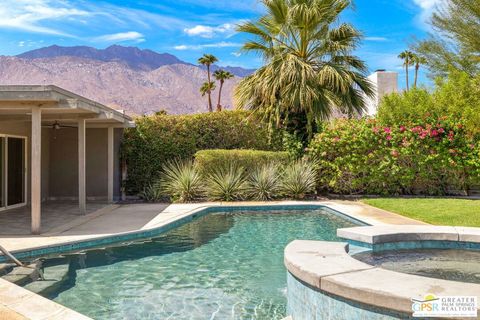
x,y
60,160
64,163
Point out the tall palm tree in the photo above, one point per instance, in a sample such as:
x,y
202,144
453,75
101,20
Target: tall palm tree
x,y
407,57
207,60
417,61
309,66
207,88
221,76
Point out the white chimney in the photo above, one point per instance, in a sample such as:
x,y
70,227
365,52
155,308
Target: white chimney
x,y
384,82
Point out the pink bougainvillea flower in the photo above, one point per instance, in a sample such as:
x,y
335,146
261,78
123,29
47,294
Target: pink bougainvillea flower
x,y
441,130
402,129
433,133
389,137
387,130
375,129
394,153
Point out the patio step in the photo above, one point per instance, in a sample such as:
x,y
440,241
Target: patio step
x,y
53,276
24,275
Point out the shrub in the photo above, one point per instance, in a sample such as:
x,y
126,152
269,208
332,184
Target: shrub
x,y
226,182
429,155
151,193
298,179
181,180
263,182
159,138
248,159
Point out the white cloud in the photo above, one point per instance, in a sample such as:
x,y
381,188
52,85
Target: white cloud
x,y
376,39
121,36
209,32
222,44
236,54
28,15
426,9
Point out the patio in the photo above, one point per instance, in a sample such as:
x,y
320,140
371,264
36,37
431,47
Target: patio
x,y
54,214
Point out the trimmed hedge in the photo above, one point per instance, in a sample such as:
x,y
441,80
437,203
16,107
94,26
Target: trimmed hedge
x,y
433,156
208,160
159,138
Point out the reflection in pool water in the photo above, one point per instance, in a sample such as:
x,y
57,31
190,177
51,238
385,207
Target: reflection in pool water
x,y
221,266
448,264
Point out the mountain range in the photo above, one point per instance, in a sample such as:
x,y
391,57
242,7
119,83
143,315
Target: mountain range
x,y
127,78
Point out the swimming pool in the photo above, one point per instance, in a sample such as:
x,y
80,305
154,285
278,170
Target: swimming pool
x,y
219,266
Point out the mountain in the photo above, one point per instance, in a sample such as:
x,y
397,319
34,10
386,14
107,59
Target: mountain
x,y
173,88
134,57
128,78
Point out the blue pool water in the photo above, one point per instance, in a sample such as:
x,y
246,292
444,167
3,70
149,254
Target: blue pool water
x,y
220,266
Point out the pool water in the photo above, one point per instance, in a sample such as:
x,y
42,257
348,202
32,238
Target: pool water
x,y
220,266
447,264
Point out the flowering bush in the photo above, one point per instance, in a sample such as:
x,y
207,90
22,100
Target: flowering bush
x,y
431,156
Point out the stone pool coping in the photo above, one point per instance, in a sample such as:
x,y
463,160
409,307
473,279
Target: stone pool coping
x,y
327,267
32,306
379,238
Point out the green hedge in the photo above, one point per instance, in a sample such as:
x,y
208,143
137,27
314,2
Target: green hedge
x,y
431,156
159,138
206,160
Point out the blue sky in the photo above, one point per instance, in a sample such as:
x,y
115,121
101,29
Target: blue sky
x,y
189,28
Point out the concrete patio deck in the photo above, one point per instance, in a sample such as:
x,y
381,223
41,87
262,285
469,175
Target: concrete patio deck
x,y
54,214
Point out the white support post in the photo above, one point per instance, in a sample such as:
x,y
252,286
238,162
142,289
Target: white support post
x,y
110,159
36,183
82,195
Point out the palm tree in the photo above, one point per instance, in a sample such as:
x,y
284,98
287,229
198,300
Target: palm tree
x,y
417,60
207,60
309,66
407,57
207,88
221,75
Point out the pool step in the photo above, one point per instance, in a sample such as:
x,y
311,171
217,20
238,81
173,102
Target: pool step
x,y
6,268
54,277
24,275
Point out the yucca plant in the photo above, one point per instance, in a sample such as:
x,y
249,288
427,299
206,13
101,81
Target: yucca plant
x,y
151,193
181,180
263,183
226,183
298,179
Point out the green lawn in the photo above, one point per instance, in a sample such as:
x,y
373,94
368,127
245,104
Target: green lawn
x,y
454,212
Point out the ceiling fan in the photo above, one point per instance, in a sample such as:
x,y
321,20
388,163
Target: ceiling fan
x,y
57,126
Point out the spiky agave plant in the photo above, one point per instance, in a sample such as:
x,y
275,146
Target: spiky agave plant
x,y
226,183
181,180
298,179
151,192
263,183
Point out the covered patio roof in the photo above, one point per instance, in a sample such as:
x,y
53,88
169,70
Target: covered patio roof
x,y
57,104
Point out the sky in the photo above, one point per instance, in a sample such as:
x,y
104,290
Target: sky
x,y
189,28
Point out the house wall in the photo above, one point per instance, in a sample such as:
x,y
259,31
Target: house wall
x,y
64,164
60,161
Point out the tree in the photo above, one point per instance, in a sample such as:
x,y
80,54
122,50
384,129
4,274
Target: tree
x,y
207,60
221,76
417,60
455,43
309,66
407,57
207,88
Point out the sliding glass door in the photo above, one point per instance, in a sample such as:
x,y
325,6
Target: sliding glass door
x,y
12,171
